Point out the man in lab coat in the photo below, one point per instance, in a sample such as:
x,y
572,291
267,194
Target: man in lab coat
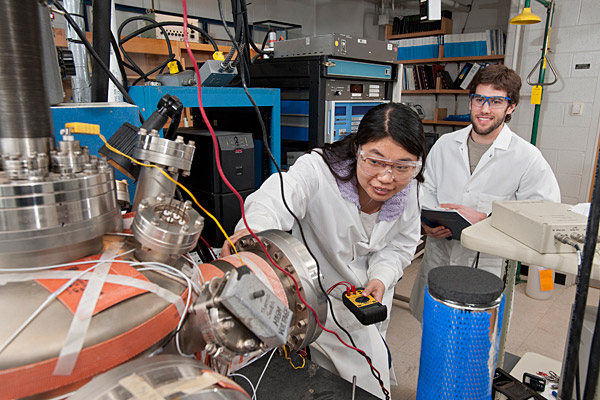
x,y
470,168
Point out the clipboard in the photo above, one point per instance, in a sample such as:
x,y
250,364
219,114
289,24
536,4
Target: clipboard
x,y
451,219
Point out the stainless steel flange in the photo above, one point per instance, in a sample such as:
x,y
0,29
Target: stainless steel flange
x,y
165,229
172,156
48,217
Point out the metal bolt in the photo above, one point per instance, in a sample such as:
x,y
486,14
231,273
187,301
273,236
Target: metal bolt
x,y
300,307
301,324
184,228
191,143
179,139
198,223
210,348
161,197
143,204
228,325
187,205
277,256
153,132
249,344
142,131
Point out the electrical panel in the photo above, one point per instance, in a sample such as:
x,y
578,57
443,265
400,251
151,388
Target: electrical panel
x,y
343,117
340,45
536,222
173,32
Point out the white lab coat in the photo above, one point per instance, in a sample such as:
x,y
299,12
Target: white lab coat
x,y
511,169
335,234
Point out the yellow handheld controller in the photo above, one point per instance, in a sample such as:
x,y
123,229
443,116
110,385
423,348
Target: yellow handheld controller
x,y
365,308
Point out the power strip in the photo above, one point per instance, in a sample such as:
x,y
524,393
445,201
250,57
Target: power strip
x,y
536,223
173,32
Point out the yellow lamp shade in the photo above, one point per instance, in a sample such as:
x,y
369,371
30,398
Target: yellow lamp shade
x,y
526,18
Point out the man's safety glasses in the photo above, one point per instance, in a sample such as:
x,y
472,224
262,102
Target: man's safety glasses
x,y
478,100
401,171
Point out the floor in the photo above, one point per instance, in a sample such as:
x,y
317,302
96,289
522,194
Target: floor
x,y
538,326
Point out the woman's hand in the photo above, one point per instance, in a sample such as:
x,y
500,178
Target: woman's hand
x,y
226,250
375,288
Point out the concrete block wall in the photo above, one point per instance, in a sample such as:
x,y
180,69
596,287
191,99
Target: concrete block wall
x,y
569,142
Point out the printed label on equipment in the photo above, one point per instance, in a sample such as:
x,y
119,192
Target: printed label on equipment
x,y
362,41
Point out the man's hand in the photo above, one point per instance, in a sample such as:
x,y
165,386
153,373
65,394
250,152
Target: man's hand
x,y
437,232
470,214
226,250
375,288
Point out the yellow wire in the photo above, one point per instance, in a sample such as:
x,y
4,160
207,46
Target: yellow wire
x,y
290,360
177,183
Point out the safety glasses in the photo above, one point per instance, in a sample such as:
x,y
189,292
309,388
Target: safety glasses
x,y
401,171
478,100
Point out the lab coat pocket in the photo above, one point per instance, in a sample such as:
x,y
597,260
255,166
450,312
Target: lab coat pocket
x,y
484,204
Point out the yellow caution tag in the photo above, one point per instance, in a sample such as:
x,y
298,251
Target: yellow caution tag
x,y
80,127
546,280
173,68
218,55
536,94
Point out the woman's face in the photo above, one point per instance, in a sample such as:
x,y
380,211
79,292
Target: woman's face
x,y
382,186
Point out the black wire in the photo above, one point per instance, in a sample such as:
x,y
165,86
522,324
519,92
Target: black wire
x,y
268,150
133,66
476,261
467,17
170,23
244,13
91,50
577,383
144,76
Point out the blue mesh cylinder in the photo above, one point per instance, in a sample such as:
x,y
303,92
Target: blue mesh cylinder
x,y
461,333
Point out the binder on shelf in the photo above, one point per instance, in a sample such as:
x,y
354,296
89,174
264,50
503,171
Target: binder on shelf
x,y
469,77
418,48
490,42
447,81
461,75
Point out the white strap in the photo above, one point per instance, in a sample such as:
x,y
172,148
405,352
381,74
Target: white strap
x,y
83,315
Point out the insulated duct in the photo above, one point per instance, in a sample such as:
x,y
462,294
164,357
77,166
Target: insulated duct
x,y
25,115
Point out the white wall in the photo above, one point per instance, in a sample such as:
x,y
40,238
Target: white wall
x,y
353,17
568,142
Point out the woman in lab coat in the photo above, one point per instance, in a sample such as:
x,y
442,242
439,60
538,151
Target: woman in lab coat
x,y
357,202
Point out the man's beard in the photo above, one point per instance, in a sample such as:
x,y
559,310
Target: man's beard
x,y
490,129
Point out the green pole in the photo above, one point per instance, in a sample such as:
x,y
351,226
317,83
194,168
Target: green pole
x,y
542,75
538,106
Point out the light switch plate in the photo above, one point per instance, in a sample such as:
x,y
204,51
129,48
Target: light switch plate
x,y
576,108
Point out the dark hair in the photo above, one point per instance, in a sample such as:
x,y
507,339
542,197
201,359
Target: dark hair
x,y
393,120
501,78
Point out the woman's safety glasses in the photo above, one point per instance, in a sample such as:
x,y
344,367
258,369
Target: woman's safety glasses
x,y
401,171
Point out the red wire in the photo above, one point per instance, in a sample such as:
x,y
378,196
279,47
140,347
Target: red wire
x,y
230,186
209,247
338,284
